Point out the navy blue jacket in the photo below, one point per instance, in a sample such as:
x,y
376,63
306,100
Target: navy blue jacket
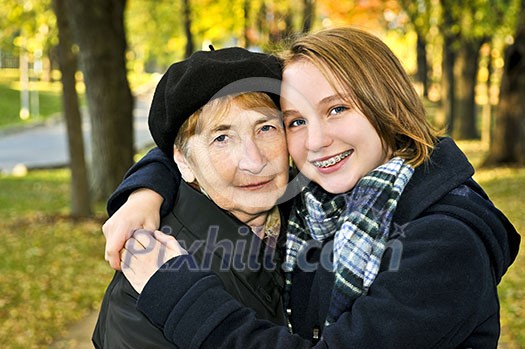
x,y
436,287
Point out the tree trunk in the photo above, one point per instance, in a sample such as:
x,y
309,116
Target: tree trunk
x,y
422,63
80,196
308,15
508,142
98,26
448,84
487,111
261,24
246,24
186,11
288,22
465,75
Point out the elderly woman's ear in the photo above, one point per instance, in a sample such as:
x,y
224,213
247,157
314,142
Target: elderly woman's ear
x,y
183,165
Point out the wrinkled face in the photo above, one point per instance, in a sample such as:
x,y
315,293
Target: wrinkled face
x,y
240,161
330,140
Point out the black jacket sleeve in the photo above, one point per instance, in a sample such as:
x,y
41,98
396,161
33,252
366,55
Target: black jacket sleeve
x,y
155,171
194,310
442,289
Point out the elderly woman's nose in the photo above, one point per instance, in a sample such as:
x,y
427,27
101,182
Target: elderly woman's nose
x,y
252,158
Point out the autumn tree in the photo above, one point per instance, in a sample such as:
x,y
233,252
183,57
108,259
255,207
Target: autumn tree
x,y
27,31
67,59
30,25
98,27
186,15
308,15
507,145
154,34
448,85
466,26
419,12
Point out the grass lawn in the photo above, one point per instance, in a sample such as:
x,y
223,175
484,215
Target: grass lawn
x,y
48,94
52,270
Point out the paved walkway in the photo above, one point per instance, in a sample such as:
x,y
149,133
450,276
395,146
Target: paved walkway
x,y
78,335
45,145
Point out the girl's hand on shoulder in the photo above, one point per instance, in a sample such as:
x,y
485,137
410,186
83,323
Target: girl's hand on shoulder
x,y
141,211
144,253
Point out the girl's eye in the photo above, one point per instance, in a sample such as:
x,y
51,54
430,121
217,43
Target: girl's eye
x,y
338,110
297,123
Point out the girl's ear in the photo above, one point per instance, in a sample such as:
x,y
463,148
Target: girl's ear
x,y
183,165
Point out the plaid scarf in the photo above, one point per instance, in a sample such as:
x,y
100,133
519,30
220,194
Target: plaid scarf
x,y
359,222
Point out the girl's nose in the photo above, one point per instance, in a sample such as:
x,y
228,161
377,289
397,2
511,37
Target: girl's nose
x,y
317,138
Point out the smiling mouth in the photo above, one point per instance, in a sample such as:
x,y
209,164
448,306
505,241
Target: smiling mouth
x,y
253,186
333,160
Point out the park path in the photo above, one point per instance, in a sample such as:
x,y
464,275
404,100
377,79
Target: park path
x,y
78,335
44,145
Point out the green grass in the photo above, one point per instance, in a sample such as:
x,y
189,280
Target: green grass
x,y
49,96
52,269
49,99
46,188
9,108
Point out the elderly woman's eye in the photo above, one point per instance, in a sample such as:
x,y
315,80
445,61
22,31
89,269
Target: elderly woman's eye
x,y
220,138
267,128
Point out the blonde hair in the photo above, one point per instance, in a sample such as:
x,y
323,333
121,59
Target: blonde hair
x,y
369,72
216,109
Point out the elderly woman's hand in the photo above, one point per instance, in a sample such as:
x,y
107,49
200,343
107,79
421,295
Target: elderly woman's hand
x,y
141,210
144,253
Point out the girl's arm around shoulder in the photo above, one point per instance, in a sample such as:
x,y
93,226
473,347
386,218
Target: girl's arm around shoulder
x,y
142,198
435,296
155,171
195,311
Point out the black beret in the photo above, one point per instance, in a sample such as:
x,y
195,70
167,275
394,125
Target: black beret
x,y
189,84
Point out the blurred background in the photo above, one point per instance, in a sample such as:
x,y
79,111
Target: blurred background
x,y
76,80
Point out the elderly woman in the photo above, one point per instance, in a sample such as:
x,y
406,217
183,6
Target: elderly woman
x,y
228,141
